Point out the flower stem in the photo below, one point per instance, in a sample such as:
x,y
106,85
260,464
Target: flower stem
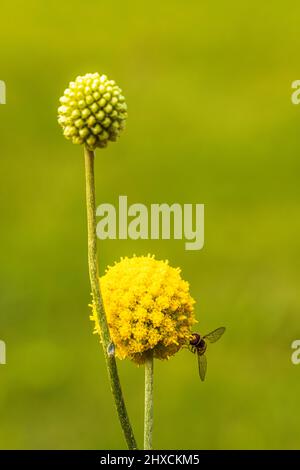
x,y
148,419
97,298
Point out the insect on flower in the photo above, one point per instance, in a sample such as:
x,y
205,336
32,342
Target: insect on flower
x,y
199,344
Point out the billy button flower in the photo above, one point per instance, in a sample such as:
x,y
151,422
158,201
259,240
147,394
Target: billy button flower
x,y
148,307
150,313
92,113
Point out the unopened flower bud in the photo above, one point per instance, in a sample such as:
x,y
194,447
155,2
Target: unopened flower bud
x,y
92,111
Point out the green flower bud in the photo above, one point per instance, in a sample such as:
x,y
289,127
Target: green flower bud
x,y
91,121
108,108
102,102
107,96
103,136
97,129
91,140
92,111
94,108
100,116
79,123
76,114
84,133
81,104
106,123
85,113
89,99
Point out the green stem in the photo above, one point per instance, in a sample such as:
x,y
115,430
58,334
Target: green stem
x,y
148,419
97,298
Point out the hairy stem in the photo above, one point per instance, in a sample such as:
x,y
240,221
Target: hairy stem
x,y
148,418
108,347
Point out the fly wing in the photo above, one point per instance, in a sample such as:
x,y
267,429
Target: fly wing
x,y
215,335
202,363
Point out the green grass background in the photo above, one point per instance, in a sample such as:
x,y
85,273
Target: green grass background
x,y
208,86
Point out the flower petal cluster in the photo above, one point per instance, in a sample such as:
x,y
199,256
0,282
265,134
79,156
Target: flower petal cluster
x,y
148,308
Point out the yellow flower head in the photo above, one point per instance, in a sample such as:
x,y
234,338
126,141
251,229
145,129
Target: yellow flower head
x,y
148,307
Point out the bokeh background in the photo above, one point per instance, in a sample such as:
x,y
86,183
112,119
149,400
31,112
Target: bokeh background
x,y
208,85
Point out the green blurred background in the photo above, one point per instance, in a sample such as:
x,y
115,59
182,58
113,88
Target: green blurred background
x,y
208,86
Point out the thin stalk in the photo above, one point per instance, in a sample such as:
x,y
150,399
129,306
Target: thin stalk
x,y
97,298
148,419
